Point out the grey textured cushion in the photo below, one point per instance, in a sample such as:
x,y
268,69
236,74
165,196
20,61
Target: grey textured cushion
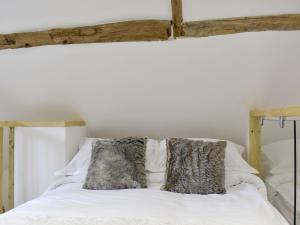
x,y
117,164
195,167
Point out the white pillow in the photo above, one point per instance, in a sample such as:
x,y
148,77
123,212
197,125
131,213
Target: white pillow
x,y
235,162
156,178
81,161
156,158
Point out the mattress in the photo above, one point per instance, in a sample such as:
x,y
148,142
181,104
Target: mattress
x,y
68,204
281,195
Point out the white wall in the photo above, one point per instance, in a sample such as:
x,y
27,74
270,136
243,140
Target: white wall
x,y
190,87
74,137
39,153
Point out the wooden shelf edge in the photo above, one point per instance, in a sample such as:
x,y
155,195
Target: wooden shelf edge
x,y
288,111
74,123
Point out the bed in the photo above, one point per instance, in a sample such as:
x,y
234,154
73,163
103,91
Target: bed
x,y
66,203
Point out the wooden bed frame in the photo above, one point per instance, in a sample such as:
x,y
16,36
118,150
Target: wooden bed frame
x,y
11,125
255,130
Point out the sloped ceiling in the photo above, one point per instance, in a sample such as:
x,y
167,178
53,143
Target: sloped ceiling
x,y
191,87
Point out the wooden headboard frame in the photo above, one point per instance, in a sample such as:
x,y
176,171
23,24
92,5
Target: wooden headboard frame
x,y
255,130
11,125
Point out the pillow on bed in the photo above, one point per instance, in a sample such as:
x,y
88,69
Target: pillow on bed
x,y
233,157
117,164
80,163
156,157
195,167
156,178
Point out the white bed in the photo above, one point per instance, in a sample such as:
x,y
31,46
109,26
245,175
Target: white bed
x,y
67,204
281,195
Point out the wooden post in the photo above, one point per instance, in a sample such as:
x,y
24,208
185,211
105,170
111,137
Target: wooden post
x,y
255,143
11,167
177,17
1,169
11,152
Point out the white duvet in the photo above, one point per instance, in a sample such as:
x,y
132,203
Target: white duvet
x,y
244,204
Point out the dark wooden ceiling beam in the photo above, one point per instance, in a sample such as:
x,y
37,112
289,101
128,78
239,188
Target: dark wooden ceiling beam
x,y
207,28
139,30
177,18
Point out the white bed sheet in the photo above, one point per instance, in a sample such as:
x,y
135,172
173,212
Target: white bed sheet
x,y
68,204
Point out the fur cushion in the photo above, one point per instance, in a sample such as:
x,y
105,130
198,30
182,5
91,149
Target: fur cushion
x,y
117,164
195,167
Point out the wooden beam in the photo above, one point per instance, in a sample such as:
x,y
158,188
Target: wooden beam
x,y
255,144
42,123
242,24
288,111
139,30
11,167
177,17
1,169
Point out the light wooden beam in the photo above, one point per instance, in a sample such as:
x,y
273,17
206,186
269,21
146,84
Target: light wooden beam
x,y
11,167
11,152
242,24
139,30
177,17
42,123
255,143
1,169
288,111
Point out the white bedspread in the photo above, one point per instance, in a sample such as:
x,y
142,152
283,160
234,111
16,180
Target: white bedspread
x,y
68,204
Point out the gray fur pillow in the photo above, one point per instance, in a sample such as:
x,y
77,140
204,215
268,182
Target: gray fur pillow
x,y
117,164
195,167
